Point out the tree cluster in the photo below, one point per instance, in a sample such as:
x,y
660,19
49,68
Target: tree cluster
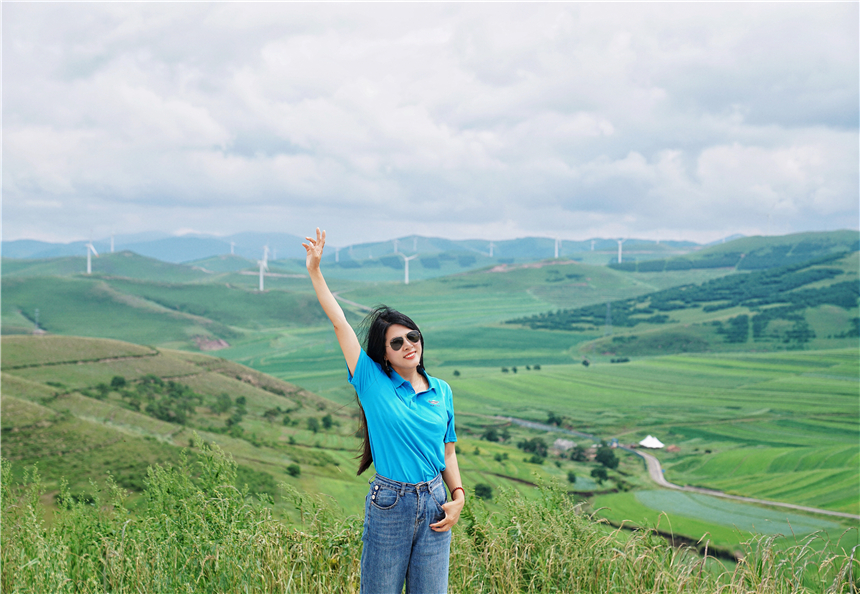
x,y
774,286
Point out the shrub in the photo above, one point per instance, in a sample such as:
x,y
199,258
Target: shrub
x,y
606,456
599,474
294,470
221,404
483,491
491,434
535,445
571,476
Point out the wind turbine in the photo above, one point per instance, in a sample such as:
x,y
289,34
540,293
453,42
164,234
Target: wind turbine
x,y
406,261
337,254
492,245
111,243
620,241
90,251
415,243
264,265
592,245
232,247
557,246
395,245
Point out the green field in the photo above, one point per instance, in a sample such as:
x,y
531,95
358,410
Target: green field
x,y
781,424
61,411
728,522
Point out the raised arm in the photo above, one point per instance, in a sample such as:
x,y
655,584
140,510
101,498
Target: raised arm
x,y
346,337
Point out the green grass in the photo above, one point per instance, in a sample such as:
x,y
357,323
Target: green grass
x,y
779,425
195,532
754,408
22,350
120,264
90,307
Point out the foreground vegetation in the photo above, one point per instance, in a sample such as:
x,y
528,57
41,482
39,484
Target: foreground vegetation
x,y
199,533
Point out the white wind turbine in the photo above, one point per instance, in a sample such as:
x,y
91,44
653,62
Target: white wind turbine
x,y
90,251
415,243
406,260
337,254
492,245
395,245
264,265
557,246
232,247
620,241
111,243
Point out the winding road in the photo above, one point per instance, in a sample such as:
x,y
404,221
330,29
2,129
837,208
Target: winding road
x,y
655,471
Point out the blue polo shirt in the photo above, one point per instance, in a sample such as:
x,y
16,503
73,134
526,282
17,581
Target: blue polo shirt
x,y
408,431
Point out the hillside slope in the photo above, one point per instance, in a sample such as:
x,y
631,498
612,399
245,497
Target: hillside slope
x,y
809,305
80,408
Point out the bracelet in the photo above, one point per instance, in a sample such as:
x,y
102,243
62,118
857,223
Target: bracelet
x,y
455,488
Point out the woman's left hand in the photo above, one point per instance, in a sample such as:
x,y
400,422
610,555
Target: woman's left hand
x,y
452,515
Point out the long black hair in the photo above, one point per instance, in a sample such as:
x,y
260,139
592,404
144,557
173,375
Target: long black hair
x,y
373,329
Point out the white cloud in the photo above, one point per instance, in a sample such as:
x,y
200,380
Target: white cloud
x,y
456,120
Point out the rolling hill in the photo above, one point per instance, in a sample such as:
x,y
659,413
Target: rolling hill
x,y
813,304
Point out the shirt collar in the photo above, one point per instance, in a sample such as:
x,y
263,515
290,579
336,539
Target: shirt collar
x,y
397,380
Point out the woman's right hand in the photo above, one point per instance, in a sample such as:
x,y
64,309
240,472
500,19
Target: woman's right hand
x,y
314,248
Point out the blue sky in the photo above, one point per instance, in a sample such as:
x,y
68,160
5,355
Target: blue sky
x,y
664,121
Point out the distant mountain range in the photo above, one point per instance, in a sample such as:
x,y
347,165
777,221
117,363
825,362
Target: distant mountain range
x,y
190,248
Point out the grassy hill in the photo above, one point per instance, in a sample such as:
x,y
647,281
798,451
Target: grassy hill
x,y
772,422
81,408
809,305
124,264
754,253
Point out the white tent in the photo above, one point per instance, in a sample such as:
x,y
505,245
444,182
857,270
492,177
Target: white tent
x,y
651,442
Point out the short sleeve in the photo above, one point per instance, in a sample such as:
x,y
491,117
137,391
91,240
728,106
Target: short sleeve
x,y
366,373
450,434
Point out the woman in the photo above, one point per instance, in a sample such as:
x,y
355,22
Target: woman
x,y
408,425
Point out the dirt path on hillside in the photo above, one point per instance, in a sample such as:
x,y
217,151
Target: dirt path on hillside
x,y
655,471
353,303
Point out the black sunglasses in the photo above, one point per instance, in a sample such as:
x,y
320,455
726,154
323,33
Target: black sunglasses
x,y
413,336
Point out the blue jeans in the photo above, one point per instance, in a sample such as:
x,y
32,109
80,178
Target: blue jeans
x,y
398,542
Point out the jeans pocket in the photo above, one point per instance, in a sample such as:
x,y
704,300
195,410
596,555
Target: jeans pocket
x,y
440,497
382,497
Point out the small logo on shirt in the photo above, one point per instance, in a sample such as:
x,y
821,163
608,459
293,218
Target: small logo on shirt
x,y
433,402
